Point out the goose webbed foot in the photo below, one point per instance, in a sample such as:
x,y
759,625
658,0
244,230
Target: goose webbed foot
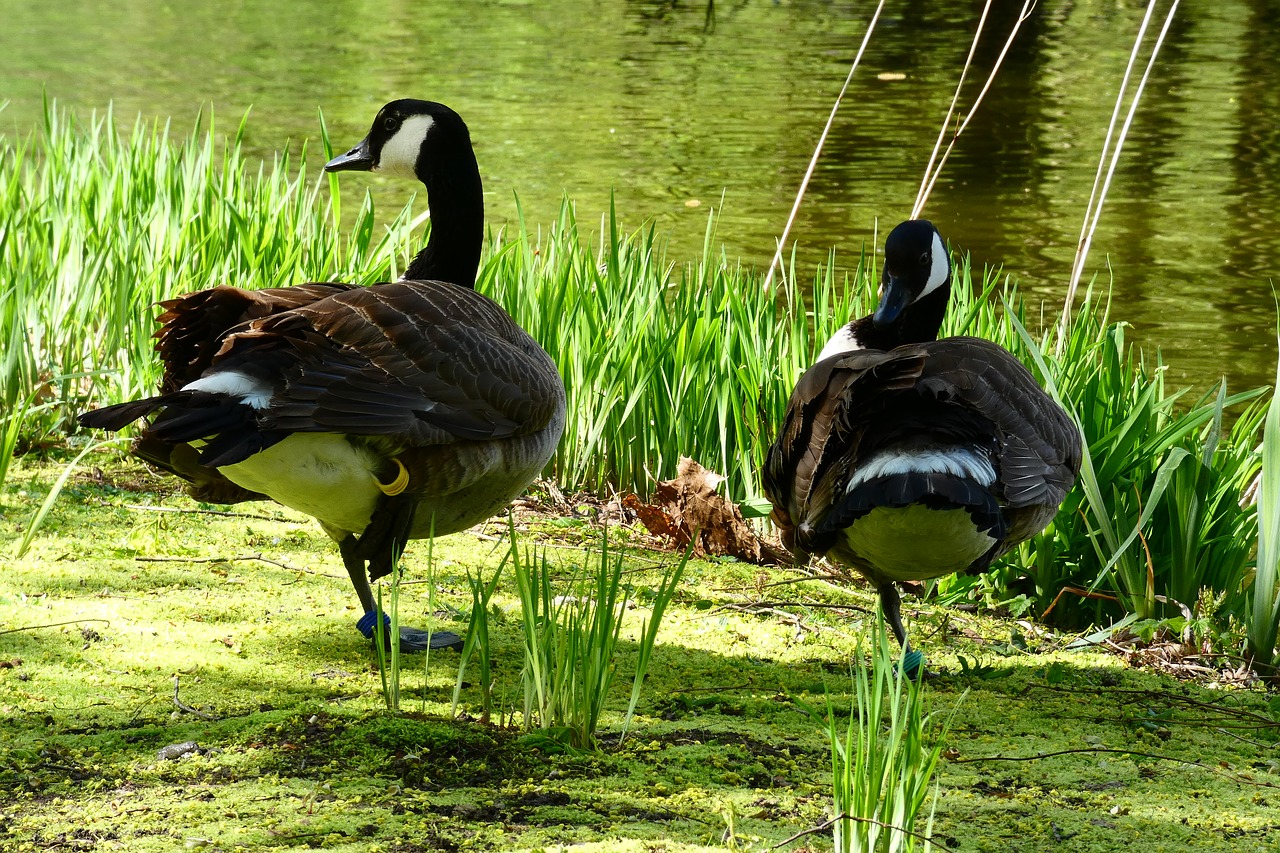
x,y
411,639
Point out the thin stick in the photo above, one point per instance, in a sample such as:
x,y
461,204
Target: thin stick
x,y
52,625
222,512
245,558
946,120
930,179
827,824
813,161
182,706
1093,213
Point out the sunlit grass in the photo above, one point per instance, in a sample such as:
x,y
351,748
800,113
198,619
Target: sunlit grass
x,y
571,632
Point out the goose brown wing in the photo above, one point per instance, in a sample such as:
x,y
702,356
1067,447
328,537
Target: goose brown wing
x,y
1039,450
420,363
193,326
1039,453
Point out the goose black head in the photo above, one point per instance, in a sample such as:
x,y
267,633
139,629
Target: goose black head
x,y
430,142
916,266
407,138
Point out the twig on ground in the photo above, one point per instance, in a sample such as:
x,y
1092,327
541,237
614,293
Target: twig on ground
x,y
182,706
53,625
222,512
238,559
1165,697
763,609
827,824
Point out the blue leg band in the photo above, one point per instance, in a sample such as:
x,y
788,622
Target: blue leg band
x,y
366,623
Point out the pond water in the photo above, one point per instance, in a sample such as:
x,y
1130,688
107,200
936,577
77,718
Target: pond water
x,y
682,107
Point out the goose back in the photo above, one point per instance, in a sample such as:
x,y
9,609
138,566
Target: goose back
x,y
956,392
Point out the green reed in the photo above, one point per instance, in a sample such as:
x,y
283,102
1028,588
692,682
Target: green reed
x,y
571,633
1263,610
883,758
659,360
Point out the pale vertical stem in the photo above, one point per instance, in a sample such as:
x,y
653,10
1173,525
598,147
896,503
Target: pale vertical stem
x,y
813,161
955,99
931,174
1102,181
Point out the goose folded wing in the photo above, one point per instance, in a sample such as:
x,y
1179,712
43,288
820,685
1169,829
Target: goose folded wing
x,y
193,327
1039,452
420,363
810,462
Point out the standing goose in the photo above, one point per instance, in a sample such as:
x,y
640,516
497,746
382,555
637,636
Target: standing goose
x,y
387,413
907,457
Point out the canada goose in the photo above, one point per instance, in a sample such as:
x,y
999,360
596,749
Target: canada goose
x,y
386,412
907,457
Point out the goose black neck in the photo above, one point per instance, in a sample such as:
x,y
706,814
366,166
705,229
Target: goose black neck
x,y
920,322
455,199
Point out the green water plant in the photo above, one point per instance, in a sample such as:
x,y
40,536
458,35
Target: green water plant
x,y
661,360
476,642
571,635
386,649
883,756
1263,621
1156,515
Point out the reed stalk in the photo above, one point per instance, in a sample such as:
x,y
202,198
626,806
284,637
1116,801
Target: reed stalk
x,y
817,149
1110,156
931,173
883,758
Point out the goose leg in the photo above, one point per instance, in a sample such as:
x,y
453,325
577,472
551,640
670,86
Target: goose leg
x,y
891,604
411,639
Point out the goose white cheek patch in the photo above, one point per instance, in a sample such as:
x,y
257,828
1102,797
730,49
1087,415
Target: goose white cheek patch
x,y
399,156
940,267
842,341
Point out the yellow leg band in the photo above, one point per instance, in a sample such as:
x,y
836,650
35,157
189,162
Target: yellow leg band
x,y
399,484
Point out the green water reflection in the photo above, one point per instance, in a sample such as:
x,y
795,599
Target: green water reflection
x,y
677,105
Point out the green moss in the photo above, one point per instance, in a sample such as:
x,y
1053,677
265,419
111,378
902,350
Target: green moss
x,y
298,755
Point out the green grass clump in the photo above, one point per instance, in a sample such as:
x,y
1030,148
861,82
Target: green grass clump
x,y
883,762
571,640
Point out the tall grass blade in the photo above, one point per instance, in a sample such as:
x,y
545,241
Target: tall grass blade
x,y
649,635
931,173
33,526
1093,212
882,762
1264,615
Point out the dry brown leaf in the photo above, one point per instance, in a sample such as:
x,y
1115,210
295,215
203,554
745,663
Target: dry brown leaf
x,y
689,506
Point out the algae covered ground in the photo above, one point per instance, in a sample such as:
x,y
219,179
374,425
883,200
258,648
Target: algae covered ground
x,y
176,677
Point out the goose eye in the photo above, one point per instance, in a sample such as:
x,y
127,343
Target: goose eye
x,y
390,123
924,259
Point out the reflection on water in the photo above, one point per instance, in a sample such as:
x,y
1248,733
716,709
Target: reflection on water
x,y
671,103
